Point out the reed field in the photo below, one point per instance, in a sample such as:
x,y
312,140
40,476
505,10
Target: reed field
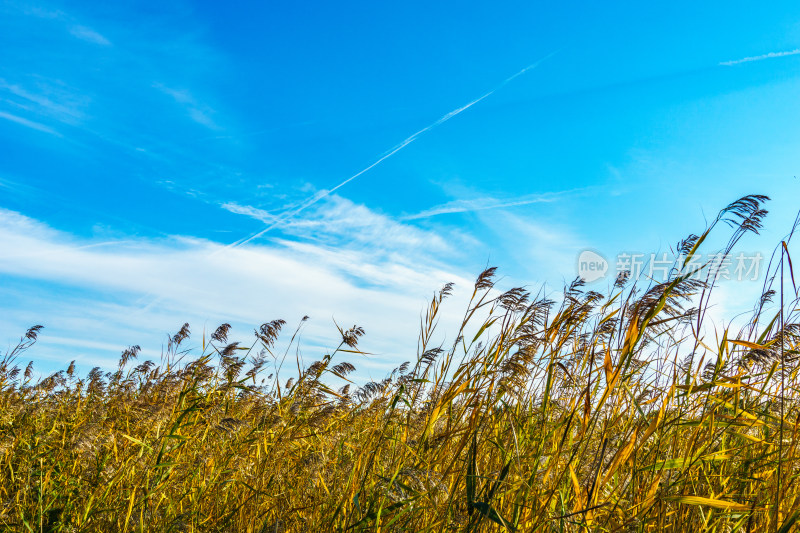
x,y
625,411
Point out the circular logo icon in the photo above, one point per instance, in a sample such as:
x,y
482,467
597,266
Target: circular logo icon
x,y
592,266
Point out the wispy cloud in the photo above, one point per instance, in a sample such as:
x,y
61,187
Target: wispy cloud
x,y
197,111
19,187
552,247
244,286
770,55
87,34
29,123
483,204
50,98
40,12
341,223
80,31
249,211
386,155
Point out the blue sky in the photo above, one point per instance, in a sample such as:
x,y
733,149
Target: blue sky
x,y
141,142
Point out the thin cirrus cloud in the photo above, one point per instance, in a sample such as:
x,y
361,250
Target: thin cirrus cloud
x,y
197,111
28,123
49,99
771,55
87,34
257,213
485,204
77,30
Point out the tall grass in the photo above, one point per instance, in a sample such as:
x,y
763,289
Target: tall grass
x,y
588,412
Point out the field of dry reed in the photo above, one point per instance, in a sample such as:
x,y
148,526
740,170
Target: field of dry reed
x,y
581,411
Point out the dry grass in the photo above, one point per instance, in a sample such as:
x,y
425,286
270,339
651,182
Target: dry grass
x,y
596,412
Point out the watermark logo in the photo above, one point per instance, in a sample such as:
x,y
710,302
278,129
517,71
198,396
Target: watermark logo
x,y
592,266
659,267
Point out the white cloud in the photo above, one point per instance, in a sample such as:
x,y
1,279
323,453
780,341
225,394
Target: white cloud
x,y
29,123
89,35
338,222
249,211
92,298
770,55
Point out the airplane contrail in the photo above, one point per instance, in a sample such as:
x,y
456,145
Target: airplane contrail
x,y
770,55
386,155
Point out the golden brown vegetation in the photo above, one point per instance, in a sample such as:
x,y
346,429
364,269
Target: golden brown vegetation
x,y
616,412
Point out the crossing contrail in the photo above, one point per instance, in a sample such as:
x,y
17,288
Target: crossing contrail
x,y
386,155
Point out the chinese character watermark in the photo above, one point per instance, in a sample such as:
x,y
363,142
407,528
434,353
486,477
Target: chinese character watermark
x,y
593,266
